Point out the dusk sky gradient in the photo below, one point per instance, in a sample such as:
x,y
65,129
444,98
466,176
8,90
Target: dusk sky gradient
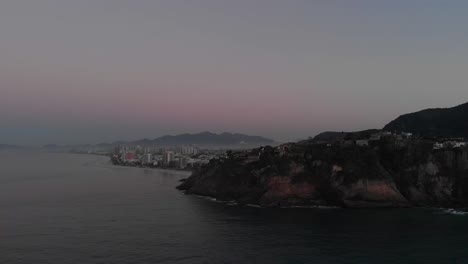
x,y
92,71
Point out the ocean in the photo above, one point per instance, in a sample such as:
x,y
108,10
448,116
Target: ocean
x,y
72,208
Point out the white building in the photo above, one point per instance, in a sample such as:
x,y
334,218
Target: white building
x,y
407,135
450,145
362,142
183,162
438,146
189,150
148,158
454,144
375,137
168,157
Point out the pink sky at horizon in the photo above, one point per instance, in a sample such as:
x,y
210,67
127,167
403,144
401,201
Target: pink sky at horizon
x,y
88,71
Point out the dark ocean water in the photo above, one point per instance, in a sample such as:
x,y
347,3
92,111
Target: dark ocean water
x,y
66,208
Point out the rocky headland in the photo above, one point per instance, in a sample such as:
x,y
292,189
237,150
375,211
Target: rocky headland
x,y
418,159
390,172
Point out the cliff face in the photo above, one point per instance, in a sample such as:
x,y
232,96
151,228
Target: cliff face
x,y
390,174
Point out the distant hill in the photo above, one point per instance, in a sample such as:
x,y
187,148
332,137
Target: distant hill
x,y
445,122
8,146
205,139
337,136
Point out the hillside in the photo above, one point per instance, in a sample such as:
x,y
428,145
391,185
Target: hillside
x,y
337,136
446,122
392,172
206,139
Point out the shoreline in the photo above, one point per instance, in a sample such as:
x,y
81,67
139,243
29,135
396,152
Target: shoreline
x,y
446,210
151,168
108,164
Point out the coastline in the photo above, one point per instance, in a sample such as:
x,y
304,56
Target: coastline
x,y
390,174
442,210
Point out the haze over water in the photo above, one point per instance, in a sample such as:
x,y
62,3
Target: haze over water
x,y
68,208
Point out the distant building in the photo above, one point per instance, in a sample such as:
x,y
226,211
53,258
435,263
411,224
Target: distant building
x,y
438,146
450,145
148,158
183,162
188,150
117,150
362,142
375,137
129,156
168,157
407,135
147,150
282,149
454,144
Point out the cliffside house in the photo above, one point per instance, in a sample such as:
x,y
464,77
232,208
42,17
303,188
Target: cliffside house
x,y
450,145
362,142
406,135
375,137
438,145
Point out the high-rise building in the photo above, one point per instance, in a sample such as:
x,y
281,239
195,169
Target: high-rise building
x,y
168,157
183,162
147,158
189,150
129,156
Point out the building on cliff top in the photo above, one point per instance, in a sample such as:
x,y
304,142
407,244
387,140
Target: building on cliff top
x,y
362,142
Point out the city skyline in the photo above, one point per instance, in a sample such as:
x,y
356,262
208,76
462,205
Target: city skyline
x,y
75,72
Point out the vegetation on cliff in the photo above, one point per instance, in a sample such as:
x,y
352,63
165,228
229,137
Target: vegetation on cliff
x,y
388,174
370,168
441,122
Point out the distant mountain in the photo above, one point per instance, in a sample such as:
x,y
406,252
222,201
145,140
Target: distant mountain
x,y
445,122
337,136
206,139
8,146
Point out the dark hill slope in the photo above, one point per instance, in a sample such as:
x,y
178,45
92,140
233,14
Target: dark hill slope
x,y
337,136
446,122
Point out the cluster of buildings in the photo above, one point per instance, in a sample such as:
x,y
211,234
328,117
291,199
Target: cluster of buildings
x,y
183,157
375,137
450,143
190,157
367,138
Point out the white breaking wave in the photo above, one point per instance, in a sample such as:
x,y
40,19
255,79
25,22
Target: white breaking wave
x,y
254,205
314,207
234,203
455,212
214,199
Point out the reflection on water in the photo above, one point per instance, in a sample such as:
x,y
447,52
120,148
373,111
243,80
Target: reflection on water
x,y
65,208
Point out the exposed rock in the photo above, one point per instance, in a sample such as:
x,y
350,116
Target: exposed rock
x,y
389,174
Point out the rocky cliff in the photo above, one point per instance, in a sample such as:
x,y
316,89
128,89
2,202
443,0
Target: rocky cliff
x,y
387,174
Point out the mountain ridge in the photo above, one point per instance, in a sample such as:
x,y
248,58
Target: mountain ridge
x,y
433,122
207,138
9,146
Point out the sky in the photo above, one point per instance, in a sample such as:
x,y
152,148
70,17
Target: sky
x,y
92,71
